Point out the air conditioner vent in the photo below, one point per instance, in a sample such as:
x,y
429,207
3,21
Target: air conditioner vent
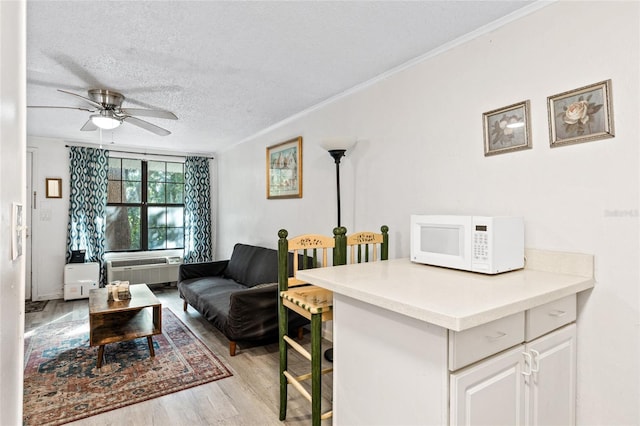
x,y
136,262
154,270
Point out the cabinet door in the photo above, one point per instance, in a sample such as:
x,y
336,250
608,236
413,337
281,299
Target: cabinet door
x,y
490,392
551,388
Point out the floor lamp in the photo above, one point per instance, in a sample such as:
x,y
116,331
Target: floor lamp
x,y
337,155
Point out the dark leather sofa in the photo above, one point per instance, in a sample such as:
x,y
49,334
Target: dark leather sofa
x,y
238,296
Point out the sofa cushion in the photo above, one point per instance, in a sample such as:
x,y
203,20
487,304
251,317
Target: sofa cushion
x,y
263,285
251,265
210,297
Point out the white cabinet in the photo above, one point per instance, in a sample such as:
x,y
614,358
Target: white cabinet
x,y
393,369
551,388
491,392
531,384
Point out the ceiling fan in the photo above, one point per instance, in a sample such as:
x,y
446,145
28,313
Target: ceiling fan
x,y
109,114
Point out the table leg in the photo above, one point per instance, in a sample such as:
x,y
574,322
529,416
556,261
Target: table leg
x,y
100,355
150,341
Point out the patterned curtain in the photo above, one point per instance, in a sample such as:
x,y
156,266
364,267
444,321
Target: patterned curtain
x,y
88,169
197,210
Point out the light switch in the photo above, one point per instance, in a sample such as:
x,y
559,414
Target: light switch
x,y
45,215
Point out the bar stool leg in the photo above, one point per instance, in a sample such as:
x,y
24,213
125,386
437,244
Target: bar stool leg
x,y
316,367
283,319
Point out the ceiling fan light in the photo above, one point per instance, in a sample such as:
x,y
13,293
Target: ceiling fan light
x,y
105,122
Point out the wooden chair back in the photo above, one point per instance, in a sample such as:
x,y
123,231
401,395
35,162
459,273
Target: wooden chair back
x,y
304,251
367,246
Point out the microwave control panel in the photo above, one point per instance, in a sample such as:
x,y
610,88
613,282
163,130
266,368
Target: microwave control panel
x,y
480,243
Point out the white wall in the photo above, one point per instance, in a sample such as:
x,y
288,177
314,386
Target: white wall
x,y
50,218
12,182
420,150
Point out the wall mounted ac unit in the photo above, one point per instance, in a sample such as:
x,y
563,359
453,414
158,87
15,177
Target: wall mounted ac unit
x,y
154,270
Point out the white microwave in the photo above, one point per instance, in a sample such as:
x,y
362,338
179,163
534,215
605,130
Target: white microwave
x,y
489,245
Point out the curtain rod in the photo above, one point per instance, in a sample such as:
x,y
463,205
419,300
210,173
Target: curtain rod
x,y
145,153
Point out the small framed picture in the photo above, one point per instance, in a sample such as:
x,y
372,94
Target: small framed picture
x,y
54,187
507,129
284,169
581,115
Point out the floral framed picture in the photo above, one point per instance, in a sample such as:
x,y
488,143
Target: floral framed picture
x,y
284,169
581,115
507,129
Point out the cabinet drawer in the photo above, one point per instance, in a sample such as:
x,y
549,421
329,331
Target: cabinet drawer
x,y
474,344
548,317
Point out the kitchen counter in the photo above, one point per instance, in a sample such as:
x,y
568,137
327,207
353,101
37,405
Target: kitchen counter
x,y
416,344
453,299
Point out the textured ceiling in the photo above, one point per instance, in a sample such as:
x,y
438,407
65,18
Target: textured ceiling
x,y
227,69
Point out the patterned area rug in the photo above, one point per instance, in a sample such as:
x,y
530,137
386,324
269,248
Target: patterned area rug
x,y
62,383
34,306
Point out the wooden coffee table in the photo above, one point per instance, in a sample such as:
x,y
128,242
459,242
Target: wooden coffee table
x,y
117,321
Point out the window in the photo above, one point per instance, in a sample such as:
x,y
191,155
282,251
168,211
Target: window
x,y
145,205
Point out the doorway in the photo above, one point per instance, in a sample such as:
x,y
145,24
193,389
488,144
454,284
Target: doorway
x,y
30,207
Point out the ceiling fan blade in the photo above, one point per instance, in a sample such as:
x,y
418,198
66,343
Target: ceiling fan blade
x,y
76,69
156,113
89,126
150,89
61,107
91,101
147,126
37,82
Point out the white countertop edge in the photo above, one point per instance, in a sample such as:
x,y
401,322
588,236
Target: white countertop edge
x,y
578,266
451,322
503,311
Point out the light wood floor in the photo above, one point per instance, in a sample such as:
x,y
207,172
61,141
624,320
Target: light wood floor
x,y
250,397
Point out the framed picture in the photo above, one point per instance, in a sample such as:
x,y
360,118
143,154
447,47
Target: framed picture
x,y
54,187
17,228
507,129
581,115
284,169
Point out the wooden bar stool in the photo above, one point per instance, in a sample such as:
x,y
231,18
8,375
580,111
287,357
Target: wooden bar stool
x,y
313,303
